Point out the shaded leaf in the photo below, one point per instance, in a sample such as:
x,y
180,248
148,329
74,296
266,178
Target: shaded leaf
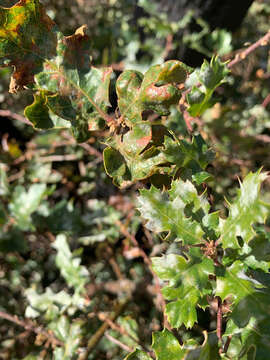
x,y
136,155
188,283
4,187
243,291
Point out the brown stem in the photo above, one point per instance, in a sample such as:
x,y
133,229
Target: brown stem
x,y
119,343
219,319
226,346
27,325
243,54
266,101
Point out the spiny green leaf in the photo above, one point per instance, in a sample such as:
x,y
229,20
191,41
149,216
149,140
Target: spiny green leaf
x,y
253,341
157,90
188,283
257,254
245,211
233,284
75,274
166,346
210,76
195,155
165,211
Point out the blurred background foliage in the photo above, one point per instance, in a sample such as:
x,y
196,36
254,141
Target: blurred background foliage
x,y
66,249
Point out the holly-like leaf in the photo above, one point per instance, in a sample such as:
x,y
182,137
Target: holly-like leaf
x,y
251,342
157,90
58,68
250,329
138,355
188,284
166,211
210,76
246,210
234,284
75,274
166,346
195,155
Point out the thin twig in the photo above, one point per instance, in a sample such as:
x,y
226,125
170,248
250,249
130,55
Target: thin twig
x,y
122,331
226,346
8,113
219,319
95,339
168,46
266,101
119,343
243,54
54,158
31,327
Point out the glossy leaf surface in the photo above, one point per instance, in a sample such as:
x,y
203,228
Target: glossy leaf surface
x,y
188,283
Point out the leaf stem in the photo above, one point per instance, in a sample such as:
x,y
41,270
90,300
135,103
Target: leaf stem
x,y
219,319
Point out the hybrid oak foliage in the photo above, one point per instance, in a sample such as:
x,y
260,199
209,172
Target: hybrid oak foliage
x,y
214,261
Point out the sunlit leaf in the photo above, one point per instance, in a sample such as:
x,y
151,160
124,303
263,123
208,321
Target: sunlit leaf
x,y
246,210
156,90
